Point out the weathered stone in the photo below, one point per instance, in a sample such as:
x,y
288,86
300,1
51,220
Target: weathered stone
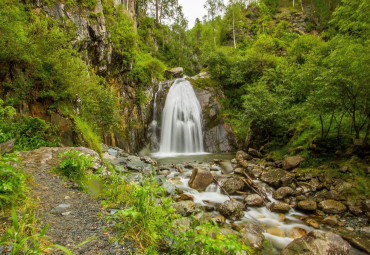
x,y
177,72
185,208
317,243
276,232
297,232
332,206
253,200
7,147
231,209
139,166
185,196
232,185
277,177
330,220
282,192
357,240
292,162
312,223
279,207
255,153
354,207
200,179
243,155
251,234
307,205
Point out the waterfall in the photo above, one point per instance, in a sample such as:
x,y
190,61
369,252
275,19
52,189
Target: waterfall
x,y
154,124
181,130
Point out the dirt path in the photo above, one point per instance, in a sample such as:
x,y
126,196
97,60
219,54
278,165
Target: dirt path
x,y
73,216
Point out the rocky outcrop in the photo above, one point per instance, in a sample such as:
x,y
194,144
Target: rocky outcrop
x,y
177,72
200,179
317,243
218,135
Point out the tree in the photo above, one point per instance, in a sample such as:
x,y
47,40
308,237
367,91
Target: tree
x,y
214,7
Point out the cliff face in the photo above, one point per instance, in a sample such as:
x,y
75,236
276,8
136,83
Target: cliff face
x,y
91,39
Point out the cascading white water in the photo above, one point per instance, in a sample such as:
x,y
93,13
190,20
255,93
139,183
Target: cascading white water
x,y
181,130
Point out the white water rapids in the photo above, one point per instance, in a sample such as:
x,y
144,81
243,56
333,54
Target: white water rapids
x,y
181,131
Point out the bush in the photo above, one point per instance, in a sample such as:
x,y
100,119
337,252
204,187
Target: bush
x,y
146,68
74,165
13,187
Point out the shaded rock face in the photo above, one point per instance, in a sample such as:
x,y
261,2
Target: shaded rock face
x,y
318,243
218,135
200,179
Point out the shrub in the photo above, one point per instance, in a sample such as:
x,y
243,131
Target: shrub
x,y
13,187
74,165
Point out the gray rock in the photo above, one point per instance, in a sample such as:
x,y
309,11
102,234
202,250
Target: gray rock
x,y
112,152
231,209
292,162
139,166
200,179
307,205
253,200
185,208
252,235
277,177
232,185
282,192
280,207
170,188
60,208
7,147
177,72
332,206
317,243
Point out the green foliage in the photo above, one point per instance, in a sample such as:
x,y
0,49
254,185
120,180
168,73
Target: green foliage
x,y
146,69
74,166
207,239
13,187
88,135
149,215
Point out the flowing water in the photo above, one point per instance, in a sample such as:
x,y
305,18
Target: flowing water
x,y
181,131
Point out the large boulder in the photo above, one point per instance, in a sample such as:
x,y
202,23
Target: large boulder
x,y
200,179
292,162
317,243
282,192
252,235
231,209
232,185
7,147
307,205
332,206
277,177
177,72
243,155
253,200
279,207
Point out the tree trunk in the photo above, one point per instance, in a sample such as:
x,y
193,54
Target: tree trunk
x,y
234,25
302,5
157,11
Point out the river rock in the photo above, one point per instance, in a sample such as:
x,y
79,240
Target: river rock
x,y
185,208
282,192
332,206
330,220
255,153
307,205
200,179
276,232
277,177
251,234
354,207
297,232
317,243
139,166
357,240
185,196
292,162
231,209
313,223
232,185
177,72
7,147
279,207
253,200
243,155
